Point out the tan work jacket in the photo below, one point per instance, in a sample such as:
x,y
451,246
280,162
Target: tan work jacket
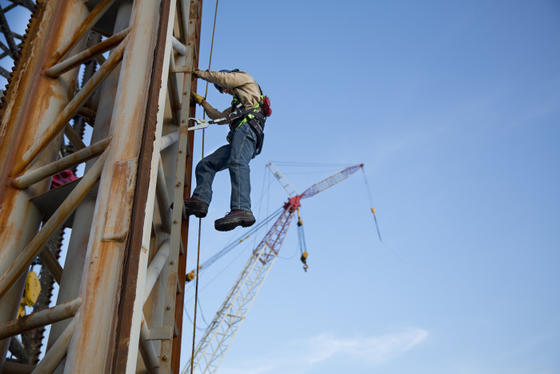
x,y
242,85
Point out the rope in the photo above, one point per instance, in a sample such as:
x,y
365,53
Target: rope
x,y
200,219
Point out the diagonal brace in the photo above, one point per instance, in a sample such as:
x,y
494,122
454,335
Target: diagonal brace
x,y
32,249
70,109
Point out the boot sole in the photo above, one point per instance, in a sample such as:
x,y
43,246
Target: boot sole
x,y
233,224
197,213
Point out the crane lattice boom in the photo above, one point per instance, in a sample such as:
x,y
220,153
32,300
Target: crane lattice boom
x,y
330,181
220,332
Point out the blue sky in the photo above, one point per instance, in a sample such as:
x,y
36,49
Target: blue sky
x,y
453,108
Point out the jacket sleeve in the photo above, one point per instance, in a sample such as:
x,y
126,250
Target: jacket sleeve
x,y
215,113
225,80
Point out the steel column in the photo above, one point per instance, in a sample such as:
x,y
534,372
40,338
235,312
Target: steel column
x,y
143,170
92,344
76,253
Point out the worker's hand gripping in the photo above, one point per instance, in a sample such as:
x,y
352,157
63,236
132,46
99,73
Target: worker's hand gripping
x,y
197,98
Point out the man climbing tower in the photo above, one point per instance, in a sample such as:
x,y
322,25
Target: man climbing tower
x,y
246,118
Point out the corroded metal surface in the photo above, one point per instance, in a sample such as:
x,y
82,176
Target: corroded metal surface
x,y
32,102
93,341
123,224
130,293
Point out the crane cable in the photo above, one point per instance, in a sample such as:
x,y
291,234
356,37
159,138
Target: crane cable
x,y
200,219
371,204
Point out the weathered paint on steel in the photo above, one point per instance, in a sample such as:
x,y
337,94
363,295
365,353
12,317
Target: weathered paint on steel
x,y
93,345
58,350
32,103
17,267
35,175
193,40
86,54
54,127
41,318
103,102
132,295
84,27
121,195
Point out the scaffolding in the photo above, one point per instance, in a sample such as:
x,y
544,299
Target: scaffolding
x,y
122,72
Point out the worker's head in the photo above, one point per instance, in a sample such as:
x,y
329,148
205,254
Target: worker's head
x,y
221,89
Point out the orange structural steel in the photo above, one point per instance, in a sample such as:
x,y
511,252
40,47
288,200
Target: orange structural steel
x,y
126,209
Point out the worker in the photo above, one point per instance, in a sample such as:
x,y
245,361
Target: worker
x,y
246,118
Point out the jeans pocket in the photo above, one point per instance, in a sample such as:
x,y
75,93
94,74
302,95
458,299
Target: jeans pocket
x,y
250,133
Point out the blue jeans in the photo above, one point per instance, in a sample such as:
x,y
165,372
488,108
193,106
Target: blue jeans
x,y
234,156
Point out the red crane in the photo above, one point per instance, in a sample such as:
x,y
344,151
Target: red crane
x,y
220,332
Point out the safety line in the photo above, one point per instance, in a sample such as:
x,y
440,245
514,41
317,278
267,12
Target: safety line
x,y
200,219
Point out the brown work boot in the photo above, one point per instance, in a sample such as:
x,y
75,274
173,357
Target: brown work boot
x,y
236,217
196,207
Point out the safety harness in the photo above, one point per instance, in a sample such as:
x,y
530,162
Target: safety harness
x,y
255,117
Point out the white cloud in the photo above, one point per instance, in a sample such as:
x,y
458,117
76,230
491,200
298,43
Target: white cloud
x,y
305,354
373,350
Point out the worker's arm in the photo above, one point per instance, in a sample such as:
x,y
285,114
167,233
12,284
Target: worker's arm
x,y
212,112
215,113
225,80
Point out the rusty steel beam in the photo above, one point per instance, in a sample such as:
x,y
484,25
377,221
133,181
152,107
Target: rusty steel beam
x,y
32,102
44,317
131,309
70,109
171,347
86,25
101,107
94,344
74,138
57,352
35,175
49,260
86,54
31,250
110,331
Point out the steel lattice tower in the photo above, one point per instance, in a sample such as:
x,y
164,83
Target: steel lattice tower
x,y
123,68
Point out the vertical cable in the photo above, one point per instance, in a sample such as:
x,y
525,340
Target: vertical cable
x,y
200,219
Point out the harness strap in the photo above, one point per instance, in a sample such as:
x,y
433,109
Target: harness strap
x,y
253,117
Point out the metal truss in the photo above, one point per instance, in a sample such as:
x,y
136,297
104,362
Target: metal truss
x,y
120,300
